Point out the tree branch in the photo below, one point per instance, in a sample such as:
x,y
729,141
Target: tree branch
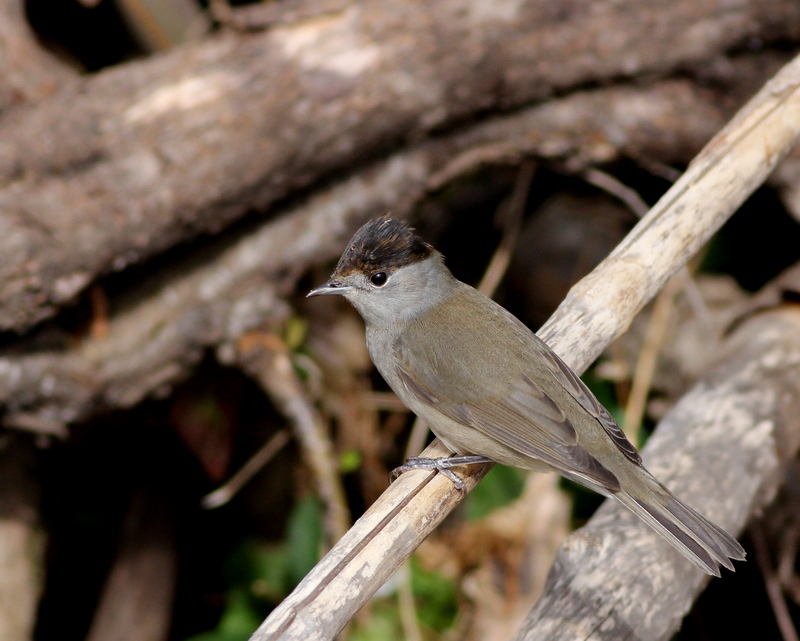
x,y
121,165
28,72
158,332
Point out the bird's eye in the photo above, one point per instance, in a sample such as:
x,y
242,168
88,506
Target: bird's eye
x,y
378,279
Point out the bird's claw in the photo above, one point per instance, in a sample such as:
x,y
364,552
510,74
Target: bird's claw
x,y
443,465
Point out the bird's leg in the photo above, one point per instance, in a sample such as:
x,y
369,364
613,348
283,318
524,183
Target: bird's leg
x,y
442,465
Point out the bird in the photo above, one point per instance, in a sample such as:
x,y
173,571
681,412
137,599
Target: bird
x,y
491,390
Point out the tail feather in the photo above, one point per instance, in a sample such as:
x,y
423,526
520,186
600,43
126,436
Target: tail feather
x,y
698,539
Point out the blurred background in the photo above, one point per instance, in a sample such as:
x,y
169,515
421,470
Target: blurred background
x,y
184,435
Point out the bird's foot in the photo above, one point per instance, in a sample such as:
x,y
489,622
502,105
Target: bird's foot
x,y
442,465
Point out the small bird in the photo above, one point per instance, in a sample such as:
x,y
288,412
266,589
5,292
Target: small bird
x,y
491,390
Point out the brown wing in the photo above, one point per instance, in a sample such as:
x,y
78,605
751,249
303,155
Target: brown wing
x,y
492,374
525,420
578,390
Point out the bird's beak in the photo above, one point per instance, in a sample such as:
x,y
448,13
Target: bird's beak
x,y
333,286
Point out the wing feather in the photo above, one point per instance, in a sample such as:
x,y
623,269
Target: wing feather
x,y
578,390
527,421
505,383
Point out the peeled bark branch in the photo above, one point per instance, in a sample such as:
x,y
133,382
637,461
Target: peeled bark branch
x,y
728,170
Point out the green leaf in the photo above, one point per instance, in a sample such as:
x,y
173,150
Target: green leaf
x,y
294,332
260,574
383,623
436,597
261,568
499,487
238,621
304,537
350,461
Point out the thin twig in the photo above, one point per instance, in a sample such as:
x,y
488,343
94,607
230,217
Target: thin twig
x,y
509,215
408,609
609,184
98,299
226,492
657,168
417,438
787,558
698,304
386,401
266,358
648,358
656,328
776,600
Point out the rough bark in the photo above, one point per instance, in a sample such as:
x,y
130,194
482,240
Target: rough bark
x,y
157,334
121,165
722,449
27,72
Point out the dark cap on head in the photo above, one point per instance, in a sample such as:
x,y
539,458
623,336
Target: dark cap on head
x,y
383,243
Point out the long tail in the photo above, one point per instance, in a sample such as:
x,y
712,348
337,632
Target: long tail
x,y
706,545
